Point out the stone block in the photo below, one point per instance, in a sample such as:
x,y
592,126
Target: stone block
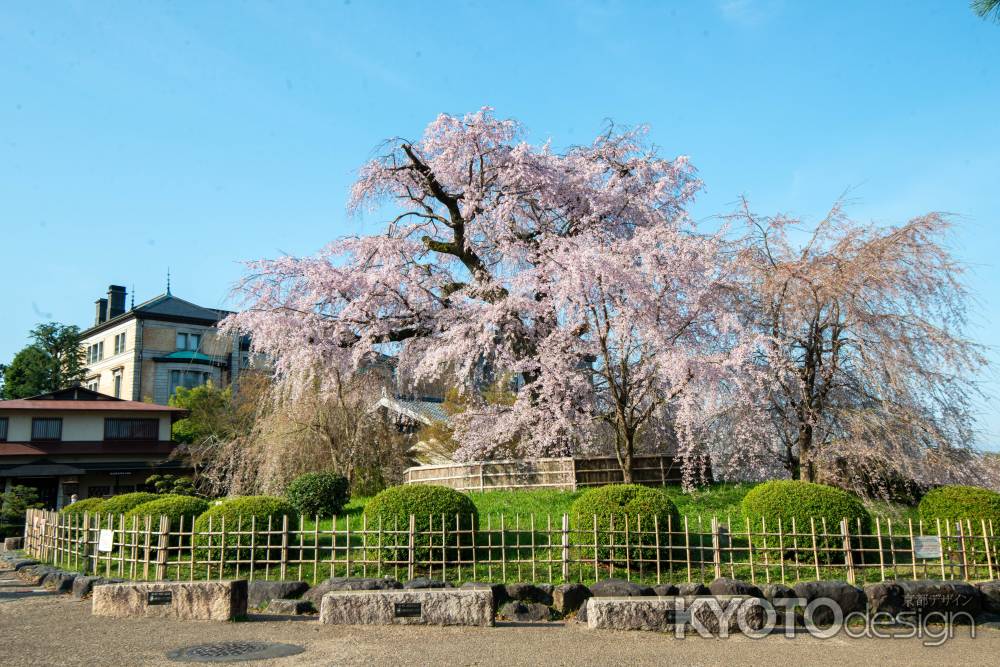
x,y
526,592
83,586
197,601
60,582
607,588
990,591
316,593
290,607
525,612
13,543
567,598
408,607
260,593
660,614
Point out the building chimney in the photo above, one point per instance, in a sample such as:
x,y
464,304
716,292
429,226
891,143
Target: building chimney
x,y
116,301
102,311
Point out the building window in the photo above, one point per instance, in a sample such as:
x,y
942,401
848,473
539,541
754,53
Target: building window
x,y
187,379
46,428
117,379
120,343
188,341
93,383
3,429
98,491
118,428
95,352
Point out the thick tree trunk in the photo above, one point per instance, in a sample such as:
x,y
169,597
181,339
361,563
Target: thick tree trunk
x,y
624,450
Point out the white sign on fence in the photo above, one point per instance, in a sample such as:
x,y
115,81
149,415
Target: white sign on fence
x,y
927,546
106,540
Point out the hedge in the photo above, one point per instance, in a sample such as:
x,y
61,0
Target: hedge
x,y
429,505
92,505
962,502
228,513
173,506
126,502
643,509
321,494
804,502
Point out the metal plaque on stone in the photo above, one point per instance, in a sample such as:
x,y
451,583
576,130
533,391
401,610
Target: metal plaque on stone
x,y
159,597
407,610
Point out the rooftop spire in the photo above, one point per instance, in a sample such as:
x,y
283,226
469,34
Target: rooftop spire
x,y
168,281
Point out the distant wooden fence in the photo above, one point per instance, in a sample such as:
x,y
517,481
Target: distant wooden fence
x,y
566,473
514,548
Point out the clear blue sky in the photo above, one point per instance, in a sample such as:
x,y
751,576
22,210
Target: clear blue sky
x,y
134,136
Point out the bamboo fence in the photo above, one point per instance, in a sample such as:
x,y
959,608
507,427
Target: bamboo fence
x,y
566,473
520,548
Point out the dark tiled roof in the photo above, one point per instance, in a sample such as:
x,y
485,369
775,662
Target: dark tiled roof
x,y
172,306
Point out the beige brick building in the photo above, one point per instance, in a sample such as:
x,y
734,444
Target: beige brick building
x,y
145,352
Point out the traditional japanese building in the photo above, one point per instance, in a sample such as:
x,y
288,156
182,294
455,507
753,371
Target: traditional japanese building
x,y
79,442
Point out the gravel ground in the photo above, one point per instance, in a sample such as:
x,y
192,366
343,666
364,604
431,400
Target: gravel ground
x,y
46,629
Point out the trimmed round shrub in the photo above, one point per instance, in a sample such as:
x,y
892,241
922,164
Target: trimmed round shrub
x,y
789,499
91,505
255,512
126,502
170,505
321,494
962,502
642,509
430,506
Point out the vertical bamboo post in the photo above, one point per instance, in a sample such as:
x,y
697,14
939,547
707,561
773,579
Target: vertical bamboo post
x,y
812,528
162,545
253,544
753,575
767,564
913,549
687,547
656,537
628,552
284,547
121,551
964,563
378,557
503,548
716,553
781,549
411,549
564,543
940,537
597,575
986,546
881,554
795,550
222,545
147,547
315,578
892,548
534,576
848,555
